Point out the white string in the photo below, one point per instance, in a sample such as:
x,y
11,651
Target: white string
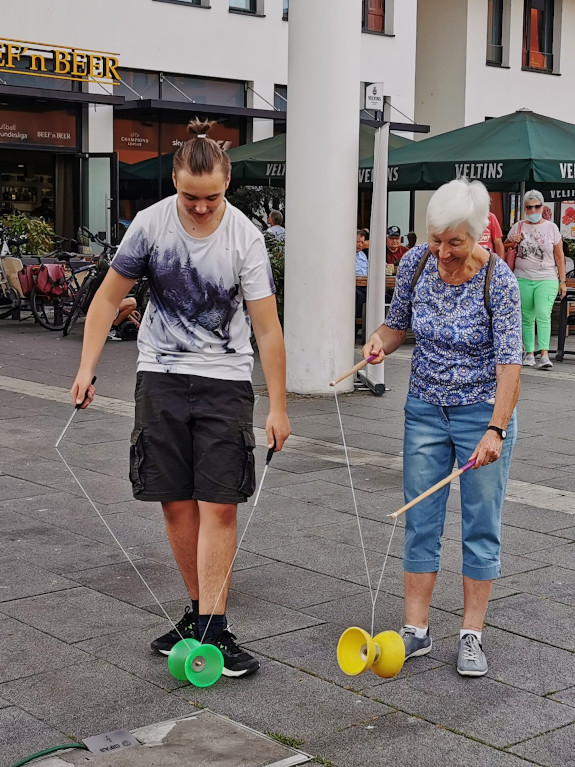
x,y
373,595
91,502
131,561
353,495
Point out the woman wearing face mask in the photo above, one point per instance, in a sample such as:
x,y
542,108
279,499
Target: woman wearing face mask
x,y
540,272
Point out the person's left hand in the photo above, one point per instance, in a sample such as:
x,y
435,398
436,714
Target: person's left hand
x,y
488,450
562,290
277,428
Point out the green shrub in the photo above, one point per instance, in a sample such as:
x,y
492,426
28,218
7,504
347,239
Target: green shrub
x,y
40,234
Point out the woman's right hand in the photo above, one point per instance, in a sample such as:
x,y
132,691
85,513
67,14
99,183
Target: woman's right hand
x,y
374,348
82,390
517,238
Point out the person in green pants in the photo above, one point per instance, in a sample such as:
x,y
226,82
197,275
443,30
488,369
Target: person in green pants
x,y
540,273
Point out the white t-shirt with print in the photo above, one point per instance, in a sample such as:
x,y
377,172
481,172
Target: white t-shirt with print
x,y
535,259
196,322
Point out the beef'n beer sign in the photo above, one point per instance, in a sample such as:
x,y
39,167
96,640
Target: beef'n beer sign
x,y
60,62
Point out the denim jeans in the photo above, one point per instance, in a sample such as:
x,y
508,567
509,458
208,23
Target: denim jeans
x,y
435,437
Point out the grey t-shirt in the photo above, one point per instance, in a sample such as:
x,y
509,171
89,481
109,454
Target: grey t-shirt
x,y
535,259
195,322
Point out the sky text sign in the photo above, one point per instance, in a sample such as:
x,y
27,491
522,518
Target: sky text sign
x,y
61,62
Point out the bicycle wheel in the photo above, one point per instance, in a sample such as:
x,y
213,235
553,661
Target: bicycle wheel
x,y
79,305
49,311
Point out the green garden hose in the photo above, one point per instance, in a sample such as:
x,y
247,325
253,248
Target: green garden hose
x,y
47,751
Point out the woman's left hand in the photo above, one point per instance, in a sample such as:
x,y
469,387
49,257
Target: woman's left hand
x,y
562,290
488,450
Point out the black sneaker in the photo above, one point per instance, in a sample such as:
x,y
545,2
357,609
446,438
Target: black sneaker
x,y
237,662
186,628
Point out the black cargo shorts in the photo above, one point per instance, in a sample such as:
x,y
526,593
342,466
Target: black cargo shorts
x,y
193,439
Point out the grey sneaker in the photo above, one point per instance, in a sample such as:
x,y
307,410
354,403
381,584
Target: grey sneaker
x,y
471,660
545,363
413,645
529,360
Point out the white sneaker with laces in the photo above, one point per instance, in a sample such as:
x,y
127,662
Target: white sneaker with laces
x,y
471,660
529,360
545,363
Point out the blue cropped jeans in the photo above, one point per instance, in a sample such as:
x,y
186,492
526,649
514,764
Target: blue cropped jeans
x,y
435,437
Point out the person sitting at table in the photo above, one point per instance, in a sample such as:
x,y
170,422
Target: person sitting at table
x,y
361,269
394,251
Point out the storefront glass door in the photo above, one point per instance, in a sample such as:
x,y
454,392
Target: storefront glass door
x,y
100,198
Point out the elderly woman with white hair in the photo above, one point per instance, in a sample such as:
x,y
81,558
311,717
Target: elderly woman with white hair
x,y
540,272
464,308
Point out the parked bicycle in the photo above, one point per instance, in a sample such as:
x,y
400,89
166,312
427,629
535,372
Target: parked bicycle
x,y
11,300
91,283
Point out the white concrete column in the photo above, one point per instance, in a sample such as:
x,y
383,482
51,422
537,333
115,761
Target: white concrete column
x,y
321,191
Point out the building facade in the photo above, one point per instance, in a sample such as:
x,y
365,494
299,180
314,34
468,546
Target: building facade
x,y
95,98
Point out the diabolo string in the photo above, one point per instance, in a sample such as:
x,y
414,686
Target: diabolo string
x,y
124,551
373,594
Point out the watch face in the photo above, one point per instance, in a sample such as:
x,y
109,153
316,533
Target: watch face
x,y
503,433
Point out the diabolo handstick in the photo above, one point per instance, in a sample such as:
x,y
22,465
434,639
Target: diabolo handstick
x,y
434,489
354,369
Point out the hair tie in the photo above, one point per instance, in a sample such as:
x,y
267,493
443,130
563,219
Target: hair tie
x,y
202,135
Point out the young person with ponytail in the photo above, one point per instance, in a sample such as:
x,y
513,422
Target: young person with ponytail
x,y
192,443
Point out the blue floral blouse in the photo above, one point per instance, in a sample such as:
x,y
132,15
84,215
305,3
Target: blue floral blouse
x,y
457,344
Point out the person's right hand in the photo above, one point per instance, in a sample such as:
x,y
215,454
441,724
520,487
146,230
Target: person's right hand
x,y
517,238
374,347
82,390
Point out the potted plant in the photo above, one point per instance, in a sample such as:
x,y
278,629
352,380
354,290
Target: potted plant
x,y
40,234
276,252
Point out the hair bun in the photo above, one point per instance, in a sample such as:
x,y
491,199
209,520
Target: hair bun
x,y
199,128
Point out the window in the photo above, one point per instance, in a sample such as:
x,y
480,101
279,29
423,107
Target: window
x,y
373,16
538,35
286,10
247,6
203,90
495,32
197,3
138,85
280,97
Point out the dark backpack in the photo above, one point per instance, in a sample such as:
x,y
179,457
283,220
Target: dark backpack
x,y
488,277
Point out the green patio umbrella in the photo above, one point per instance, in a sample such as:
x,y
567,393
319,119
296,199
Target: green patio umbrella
x,y
502,153
263,162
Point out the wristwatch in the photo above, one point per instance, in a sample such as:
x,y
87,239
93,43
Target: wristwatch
x,y
502,432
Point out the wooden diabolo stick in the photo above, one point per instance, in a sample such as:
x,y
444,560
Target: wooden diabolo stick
x,y
353,370
433,489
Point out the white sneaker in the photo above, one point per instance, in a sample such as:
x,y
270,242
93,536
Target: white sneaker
x,y
545,363
113,335
529,360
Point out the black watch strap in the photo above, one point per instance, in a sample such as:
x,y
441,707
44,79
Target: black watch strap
x,y
502,433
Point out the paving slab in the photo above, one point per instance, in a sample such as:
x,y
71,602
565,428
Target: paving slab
x,y
397,738
554,749
129,528
294,587
92,697
22,734
562,556
517,661
314,650
55,549
25,651
538,520
77,614
20,579
491,711
293,712
536,617
558,582
123,582
565,696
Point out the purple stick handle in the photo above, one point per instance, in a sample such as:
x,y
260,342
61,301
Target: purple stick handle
x,y
468,465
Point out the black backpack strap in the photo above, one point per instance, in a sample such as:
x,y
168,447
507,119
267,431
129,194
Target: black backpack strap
x,y
420,268
488,277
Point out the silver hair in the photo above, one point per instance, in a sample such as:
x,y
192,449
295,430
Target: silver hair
x,y
459,204
533,194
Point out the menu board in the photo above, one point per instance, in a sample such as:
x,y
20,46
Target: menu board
x,y
568,220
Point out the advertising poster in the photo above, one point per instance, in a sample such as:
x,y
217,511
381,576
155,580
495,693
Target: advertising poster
x,y
568,220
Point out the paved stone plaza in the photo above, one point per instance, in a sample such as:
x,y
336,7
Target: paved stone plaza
x,y
76,621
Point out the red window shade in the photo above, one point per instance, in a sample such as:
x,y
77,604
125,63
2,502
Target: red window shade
x,y
375,14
